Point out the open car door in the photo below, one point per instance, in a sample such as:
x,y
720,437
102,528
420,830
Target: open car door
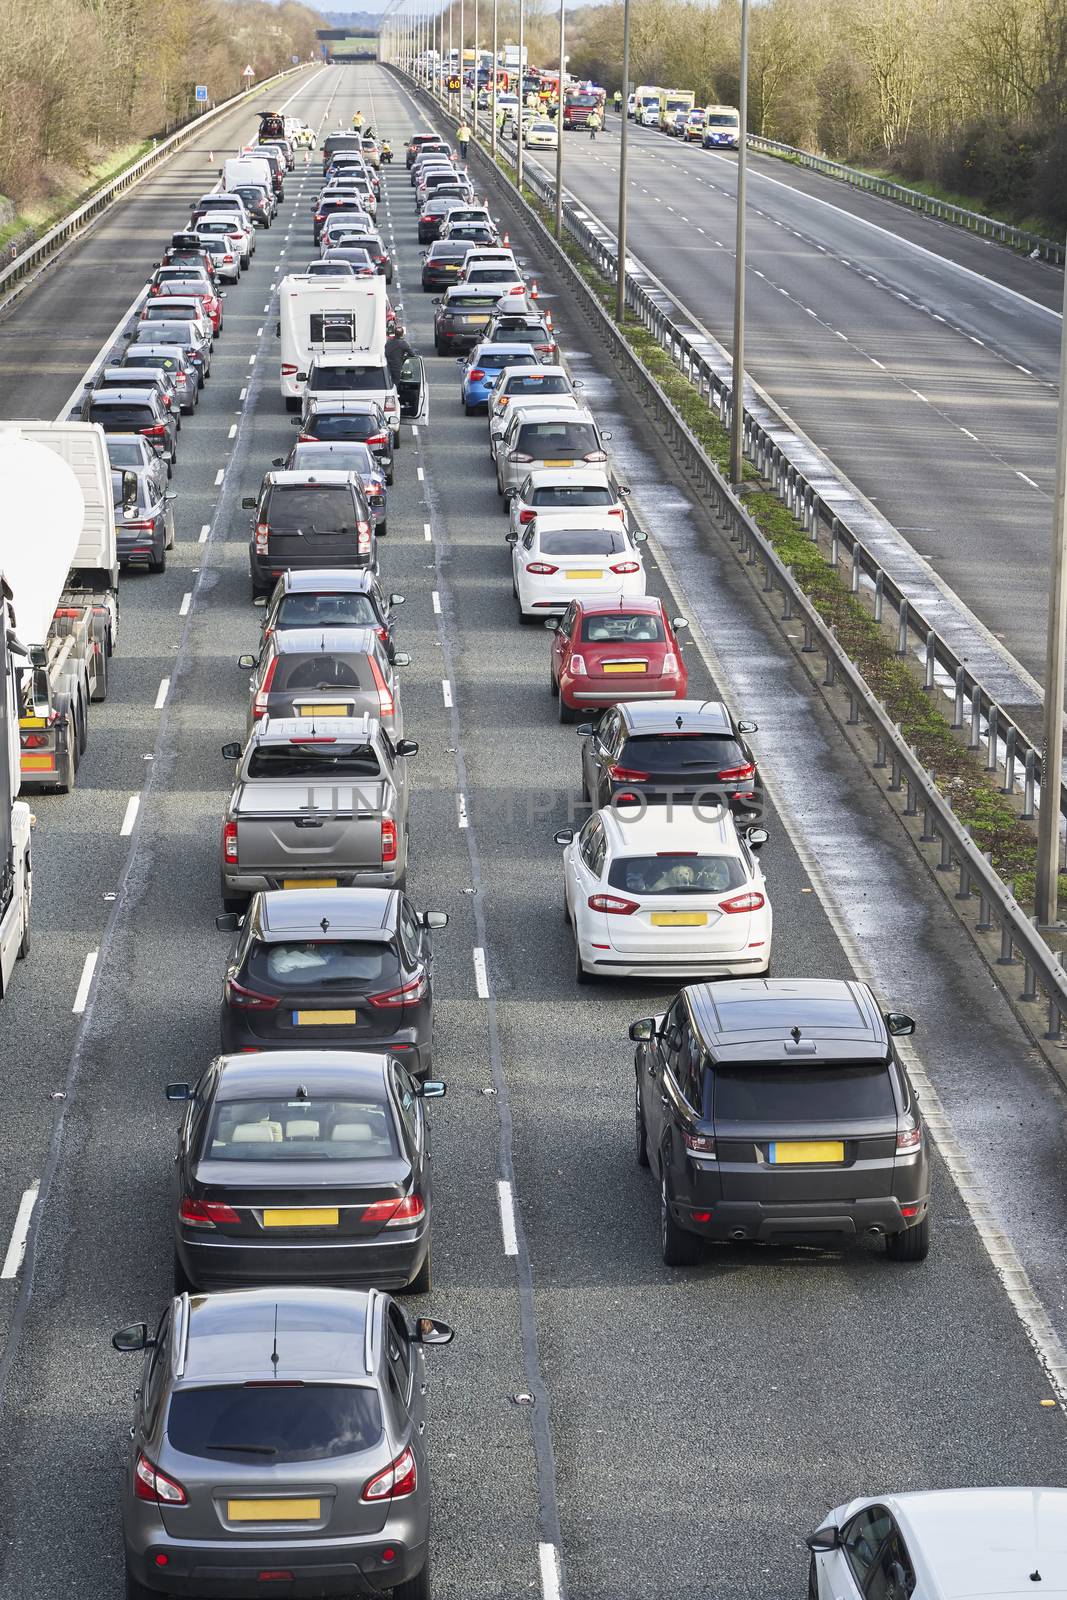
x,y
411,390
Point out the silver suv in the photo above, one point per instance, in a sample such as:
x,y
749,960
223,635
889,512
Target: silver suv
x,y
278,1441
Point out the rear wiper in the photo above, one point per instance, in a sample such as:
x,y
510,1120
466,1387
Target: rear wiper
x,y
246,1449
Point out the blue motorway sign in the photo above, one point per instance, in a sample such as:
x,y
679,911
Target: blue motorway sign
x,y
201,91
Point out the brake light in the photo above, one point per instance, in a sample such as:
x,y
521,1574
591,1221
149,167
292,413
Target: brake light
x,y
157,431
166,400
542,568
138,527
305,438
519,289
205,1213
577,666
259,702
613,904
518,457
152,1485
389,843
408,995
733,773
502,402
395,1483
743,902
617,511
377,438
262,538
229,842
670,662
526,517
628,774
428,217
363,542
248,999
476,373
627,566
289,369
227,259
33,741
910,1139
699,1144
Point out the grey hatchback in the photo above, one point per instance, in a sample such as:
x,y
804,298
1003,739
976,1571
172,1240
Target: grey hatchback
x,y
278,1442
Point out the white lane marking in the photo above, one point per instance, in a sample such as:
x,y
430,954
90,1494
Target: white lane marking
x,y
161,694
427,532
259,333
17,1247
233,431
548,1558
204,531
481,981
1025,370
507,1217
975,340
82,996
841,335
187,600
968,432
1025,479
436,600
243,393
220,474
461,811
875,363
266,308
133,805
921,397
420,474
414,430
446,692
252,360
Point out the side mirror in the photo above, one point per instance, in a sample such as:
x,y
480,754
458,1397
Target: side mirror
x,y
260,600
642,1030
585,730
551,624
277,461
623,489
678,623
408,747
232,751
171,494
824,1539
133,1338
249,502
605,436
899,1024
429,1331
461,361
511,537
178,1091
301,377
248,662
639,536
578,384
166,455
402,659
433,1089
434,919
756,838
297,422
436,302
748,727
564,836
228,921
396,599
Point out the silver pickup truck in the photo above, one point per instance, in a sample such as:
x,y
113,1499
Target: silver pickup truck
x,y
315,805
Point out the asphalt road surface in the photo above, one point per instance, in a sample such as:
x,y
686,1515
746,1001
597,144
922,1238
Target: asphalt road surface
x,y
922,360
688,1427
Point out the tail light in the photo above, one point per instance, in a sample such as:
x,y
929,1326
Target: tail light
x,y
389,843
289,369
519,457
577,666
383,634
229,842
157,431
386,704
205,1213
518,289
192,352
166,400
628,775
617,511
305,438
409,995
363,541
546,349
152,1485
733,774
376,438
427,218
627,566
262,538
542,568
227,260
233,236
33,741
909,1139
259,701
526,517
595,455
138,527
155,288
475,374
397,1481
613,904
245,999
670,662
699,1144
743,902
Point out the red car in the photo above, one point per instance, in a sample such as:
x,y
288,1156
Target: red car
x,y
604,652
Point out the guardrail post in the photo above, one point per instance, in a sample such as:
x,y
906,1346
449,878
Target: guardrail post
x,y
964,890
854,705
985,909
911,809
1006,957
1029,989
975,740
879,594
830,675
855,569
1055,1020
835,542
1008,786
895,773
929,833
902,629
787,598
958,698
1029,785
879,750
930,659
992,722
809,639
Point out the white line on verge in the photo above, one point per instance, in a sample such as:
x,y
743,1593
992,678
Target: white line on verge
x,y
507,1217
481,981
427,532
446,691
548,1559
420,474
461,810
436,599
133,805
233,431
17,1248
1025,479
82,996
204,531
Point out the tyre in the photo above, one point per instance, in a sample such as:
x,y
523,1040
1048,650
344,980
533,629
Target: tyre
x,y
159,564
912,1244
24,942
565,712
292,402
640,1134
680,1249
422,1282
468,411
396,443
183,1284
553,686
136,1590
83,729
382,529
389,477
416,1588
233,902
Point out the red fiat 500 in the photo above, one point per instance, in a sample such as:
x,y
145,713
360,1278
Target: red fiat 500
x,y
607,652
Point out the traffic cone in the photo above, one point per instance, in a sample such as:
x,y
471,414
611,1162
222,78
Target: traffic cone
x,y
507,239
533,292
211,158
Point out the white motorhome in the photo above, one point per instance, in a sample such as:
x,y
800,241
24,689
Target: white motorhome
x,y
322,316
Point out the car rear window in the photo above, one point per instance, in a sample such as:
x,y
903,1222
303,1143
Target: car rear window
x,y
621,627
470,302
841,1093
491,274
545,441
562,496
124,453
670,752
375,379
311,510
122,418
169,364
344,425
446,251
321,671
324,964
162,309
327,611
291,761
270,1423
354,457
581,542
680,874
540,383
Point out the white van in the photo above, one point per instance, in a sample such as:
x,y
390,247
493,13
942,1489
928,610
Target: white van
x,y
247,169
318,316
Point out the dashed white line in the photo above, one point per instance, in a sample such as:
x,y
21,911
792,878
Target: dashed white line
x,y
133,805
266,308
968,432
161,694
481,981
427,532
1025,370
975,340
876,363
187,600
233,431
436,600
243,393
252,359
17,1247
841,335
548,1558
82,996
507,1217
259,333
420,474
220,474
1025,479
446,691
206,529
461,811
921,397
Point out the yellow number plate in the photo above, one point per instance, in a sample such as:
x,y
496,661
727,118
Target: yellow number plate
x,y
477,322
274,1510
322,711
309,883
306,1217
801,1152
584,572
626,666
679,919
32,722
323,1019
550,463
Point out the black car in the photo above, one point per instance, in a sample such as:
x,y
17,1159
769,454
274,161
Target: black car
x,y
677,749
772,1109
346,969
383,261
432,216
331,598
144,520
361,420
334,208
334,142
259,203
153,379
442,262
461,318
308,519
425,143
344,455
303,1166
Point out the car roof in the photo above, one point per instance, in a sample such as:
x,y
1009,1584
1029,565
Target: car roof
x,y
544,368
320,1333
987,1542
129,438
287,911
324,641
301,477
332,580
646,829
555,519
120,397
697,716
289,730
789,1021
565,477
649,604
553,413
129,370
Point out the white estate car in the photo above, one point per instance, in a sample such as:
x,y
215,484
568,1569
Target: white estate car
x,y
570,555
665,890
525,388
943,1544
563,489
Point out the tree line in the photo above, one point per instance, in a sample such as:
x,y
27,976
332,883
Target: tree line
x,y
79,78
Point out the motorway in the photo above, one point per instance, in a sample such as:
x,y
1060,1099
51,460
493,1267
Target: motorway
x,y
689,1427
922,360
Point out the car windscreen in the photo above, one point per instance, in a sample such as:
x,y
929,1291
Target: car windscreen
x,y
344,425
581,542
547,441
621,627
321,672
839,1093
327,611
290,761
324,964
123,418
506,358
269,1424
563,496
675,752
538,383
717,120
311,509
676,874
349,377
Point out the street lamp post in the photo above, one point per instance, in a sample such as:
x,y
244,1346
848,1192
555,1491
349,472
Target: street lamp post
x,y
477,65
624,143
449,69
559,121
1048,818
522,76
492,102
737,421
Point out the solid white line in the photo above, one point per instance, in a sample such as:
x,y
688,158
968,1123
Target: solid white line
x,y
1025,370
446,691
436,598
161,694
875,363
17,1248
252,360
86,979
220,474
921,397
243,392
548,1558
481,982
267,306
427,532
461,810
507,1217
233,431
133,805
974,340
841,335
187,600
259,333
969,434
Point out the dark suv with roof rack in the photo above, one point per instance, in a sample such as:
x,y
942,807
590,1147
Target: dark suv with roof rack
x,y
777,1109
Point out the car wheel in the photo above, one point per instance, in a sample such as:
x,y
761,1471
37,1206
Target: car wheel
x,y
183,1284
382,530
813,1579
565,712
911,1244
553,686
292,402
416,1588
233,902
389,477
468,411
136,1590
24,942
640,1133
680,1249
422,1282
158,564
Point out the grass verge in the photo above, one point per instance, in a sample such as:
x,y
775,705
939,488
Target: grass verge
x,y
36,219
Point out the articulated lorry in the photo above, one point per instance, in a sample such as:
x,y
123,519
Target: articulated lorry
x,y
59,562
15,820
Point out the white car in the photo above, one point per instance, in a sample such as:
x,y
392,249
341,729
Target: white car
x,y
563,489
483,255
574,555
541,134
941,1543
544,386
659,891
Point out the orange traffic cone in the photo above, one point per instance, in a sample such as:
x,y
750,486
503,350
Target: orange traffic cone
x,y
533,292
211,158
507,239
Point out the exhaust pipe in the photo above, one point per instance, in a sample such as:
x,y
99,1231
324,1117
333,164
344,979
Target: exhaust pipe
x,y
738,1234
876,1229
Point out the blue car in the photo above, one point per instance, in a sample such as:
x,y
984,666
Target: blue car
x,y
484,365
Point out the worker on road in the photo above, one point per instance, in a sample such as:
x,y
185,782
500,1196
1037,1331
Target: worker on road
x,y
463,138
616,100
357,121
593,123
397,352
